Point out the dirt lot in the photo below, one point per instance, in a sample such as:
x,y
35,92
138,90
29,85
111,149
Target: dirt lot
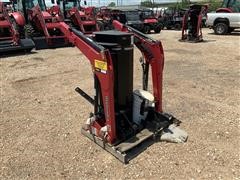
x,y
41,115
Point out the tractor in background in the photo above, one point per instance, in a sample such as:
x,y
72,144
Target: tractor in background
x,y
76,16
42,26
150,21
172,18
90,11
12,37
104,18
141,19
131,18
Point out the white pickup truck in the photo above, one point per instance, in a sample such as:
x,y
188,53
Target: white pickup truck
x,y
223,23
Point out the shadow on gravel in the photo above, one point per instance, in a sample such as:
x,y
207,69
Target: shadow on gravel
x,y
197,42
12,54
235,33
210,40
181,51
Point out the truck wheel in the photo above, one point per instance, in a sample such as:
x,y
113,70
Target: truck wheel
x,y
100,25
221,28
177,26
146,29
18,28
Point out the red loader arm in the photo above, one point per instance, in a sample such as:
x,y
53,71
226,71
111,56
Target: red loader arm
x,y
35,14
97,54
186,17
7,21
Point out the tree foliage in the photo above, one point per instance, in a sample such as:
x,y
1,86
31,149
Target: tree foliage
x,y
112,4
184,4
147,3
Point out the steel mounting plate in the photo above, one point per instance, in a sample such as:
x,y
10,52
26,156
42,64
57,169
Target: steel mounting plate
x,y
127,150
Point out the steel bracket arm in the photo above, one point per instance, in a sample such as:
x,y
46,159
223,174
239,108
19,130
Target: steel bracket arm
x,y
152,51
97,54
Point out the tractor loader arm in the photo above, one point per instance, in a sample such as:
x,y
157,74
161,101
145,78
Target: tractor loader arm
x,y
36,13
102,68
4,13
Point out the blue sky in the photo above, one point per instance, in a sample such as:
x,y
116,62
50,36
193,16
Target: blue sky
x,y
124,2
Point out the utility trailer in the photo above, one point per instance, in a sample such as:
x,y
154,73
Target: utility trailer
x,y
151,23
171,18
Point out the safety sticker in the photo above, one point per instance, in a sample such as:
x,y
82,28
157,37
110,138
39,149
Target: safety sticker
x,y
100,66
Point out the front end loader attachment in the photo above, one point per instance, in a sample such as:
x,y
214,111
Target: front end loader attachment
x,y
125,121
192,24
24,45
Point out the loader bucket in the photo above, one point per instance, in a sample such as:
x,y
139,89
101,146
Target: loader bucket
x,y
42,43
24,45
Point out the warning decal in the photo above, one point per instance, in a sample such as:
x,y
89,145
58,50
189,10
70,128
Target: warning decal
x,y
101,65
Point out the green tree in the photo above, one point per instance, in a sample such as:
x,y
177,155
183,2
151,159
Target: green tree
x,y
147,3
184,4
112,4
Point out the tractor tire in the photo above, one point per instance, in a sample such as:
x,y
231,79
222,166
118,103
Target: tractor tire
x,y
29,31
108,27
221,28
168,27
18,28
161,25
203,25
100,25
146,29
177,26
157,29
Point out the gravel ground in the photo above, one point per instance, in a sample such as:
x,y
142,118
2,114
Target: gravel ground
x,y
41,115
